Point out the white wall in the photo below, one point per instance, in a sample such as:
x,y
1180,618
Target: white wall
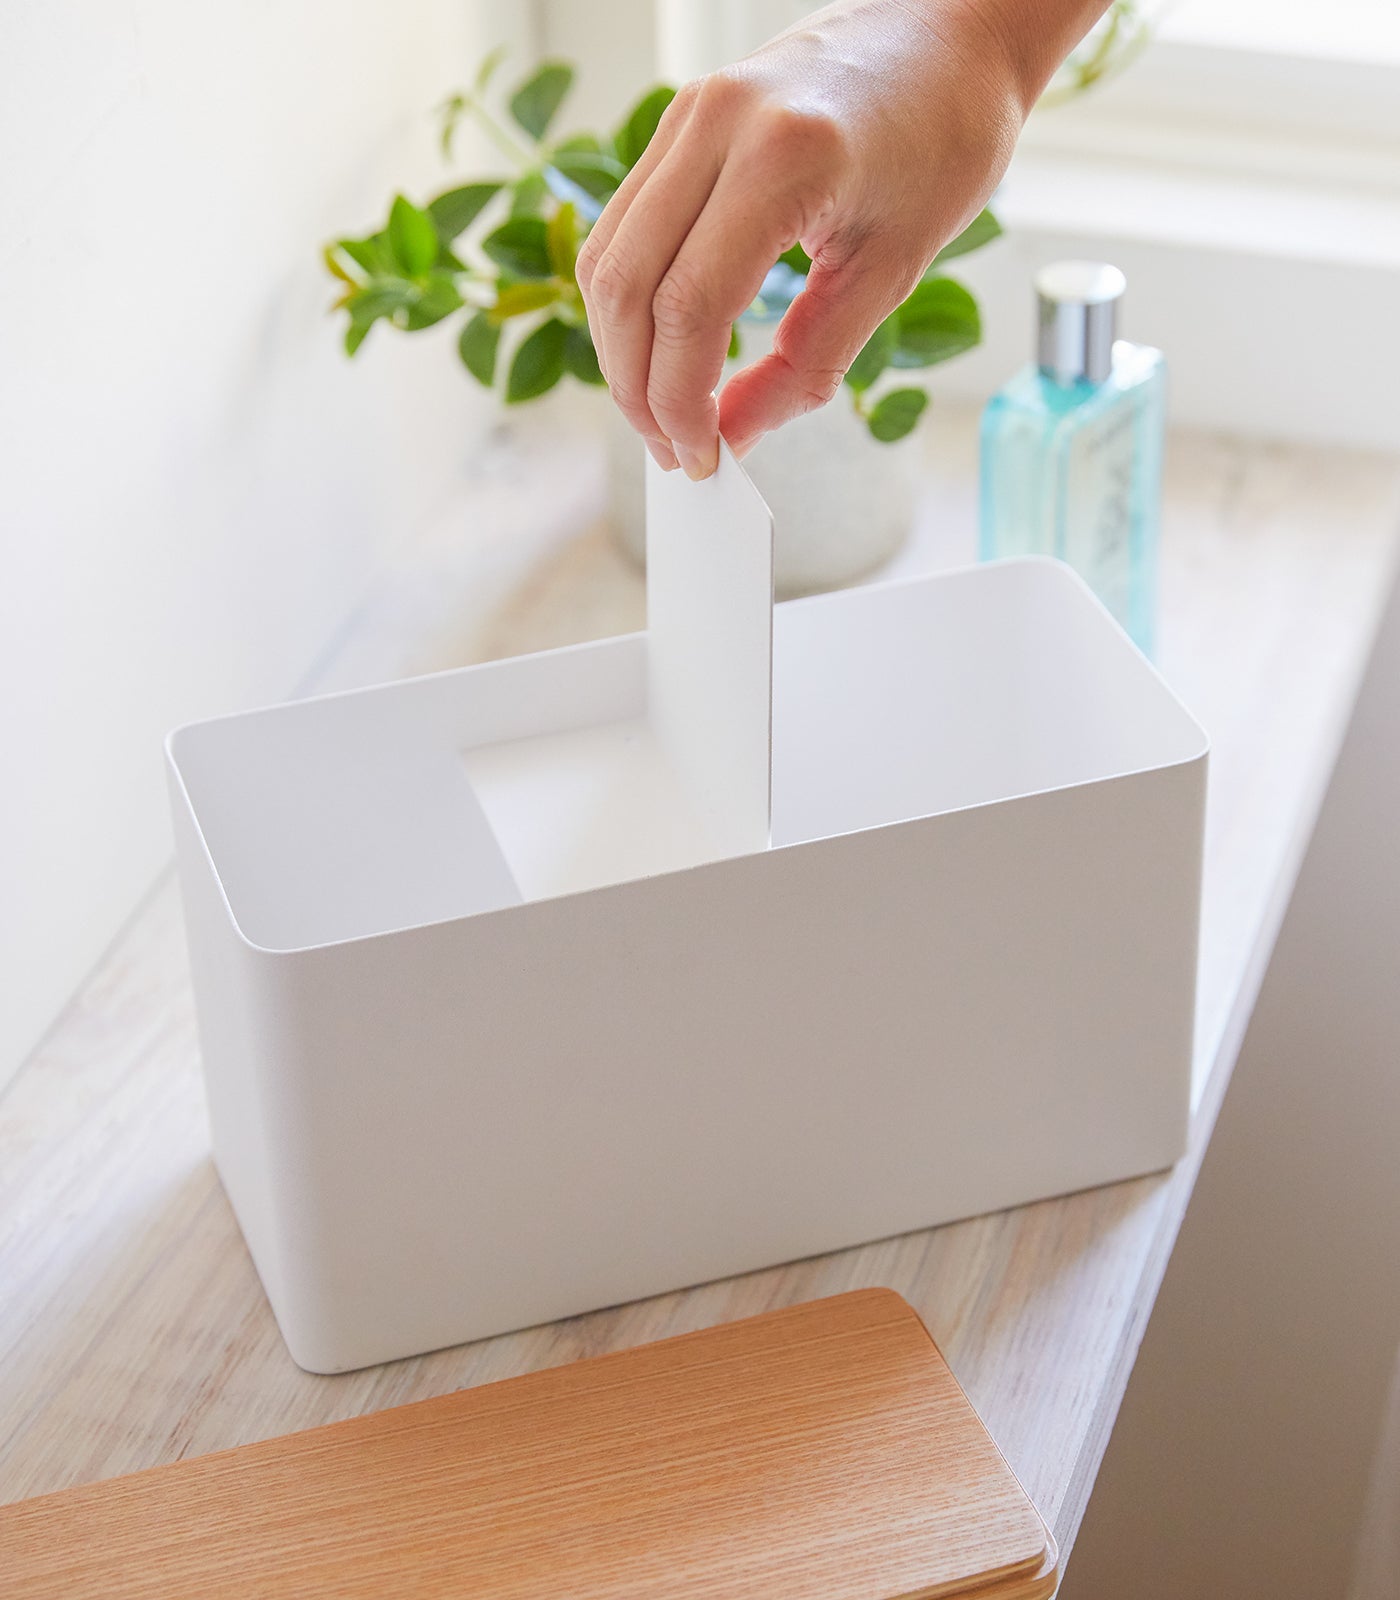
x,y
194,486
615,62
1255,1415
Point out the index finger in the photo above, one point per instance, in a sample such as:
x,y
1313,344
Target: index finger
x,y
601,234
714,278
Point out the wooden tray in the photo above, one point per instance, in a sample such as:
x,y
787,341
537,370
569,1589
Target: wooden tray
x,y
823,1452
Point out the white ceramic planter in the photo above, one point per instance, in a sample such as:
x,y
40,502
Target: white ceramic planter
x,y
448,1101
842,502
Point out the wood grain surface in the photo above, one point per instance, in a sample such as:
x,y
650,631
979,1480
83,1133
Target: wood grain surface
x,y
133,1330
823,1452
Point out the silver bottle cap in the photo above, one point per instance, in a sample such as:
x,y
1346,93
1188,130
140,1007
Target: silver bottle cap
x,y
1078,319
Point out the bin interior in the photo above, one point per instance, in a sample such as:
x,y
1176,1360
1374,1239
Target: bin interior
x,y
472,791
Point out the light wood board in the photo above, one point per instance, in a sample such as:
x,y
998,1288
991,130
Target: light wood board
x,y
133,1330
822,1452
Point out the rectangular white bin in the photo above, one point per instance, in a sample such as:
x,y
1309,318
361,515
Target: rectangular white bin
x,y
454,1092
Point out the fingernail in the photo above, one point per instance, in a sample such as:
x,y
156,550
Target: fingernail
x,y
662,454
698,466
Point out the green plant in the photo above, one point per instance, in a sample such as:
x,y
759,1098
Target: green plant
x,y
500,252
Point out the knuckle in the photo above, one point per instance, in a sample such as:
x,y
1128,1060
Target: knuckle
x,y
586,265
819,388
813,386
810,141
723,97
673,402
685,99
669,407
839,253
678,308
611,285
632,403
680,110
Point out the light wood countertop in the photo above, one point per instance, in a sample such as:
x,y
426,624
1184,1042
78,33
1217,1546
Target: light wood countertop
x,y
132,1327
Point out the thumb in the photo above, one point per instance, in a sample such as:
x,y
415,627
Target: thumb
x,y
824,330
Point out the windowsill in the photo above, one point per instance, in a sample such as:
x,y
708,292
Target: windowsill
x,y
1141,196
1359,31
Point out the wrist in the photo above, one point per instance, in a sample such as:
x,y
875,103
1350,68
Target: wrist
x,y
1019,43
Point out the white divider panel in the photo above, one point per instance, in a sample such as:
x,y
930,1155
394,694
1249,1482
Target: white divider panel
x,y
710,646
622,796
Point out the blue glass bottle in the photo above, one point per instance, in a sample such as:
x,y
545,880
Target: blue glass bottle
x,y
1072,447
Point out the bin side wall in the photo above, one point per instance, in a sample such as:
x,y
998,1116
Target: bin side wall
x,y
505,1120
236,1047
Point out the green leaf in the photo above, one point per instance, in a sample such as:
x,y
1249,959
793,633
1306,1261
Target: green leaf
x,y
635,134
489,66
379,298
896,413
538,363
527,195
331,254
477,347
580,357
412,238
373,254
520,247
360,251
796,258
454,211
938,321
537,99
577,144
874,358
983,228
516,299
452,110
597,176
561,241
733,352
583,161
438,300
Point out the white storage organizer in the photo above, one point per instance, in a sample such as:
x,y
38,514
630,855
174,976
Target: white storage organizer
x,y
508,1011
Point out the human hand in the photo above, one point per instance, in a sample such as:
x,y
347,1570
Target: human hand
x,y
872,132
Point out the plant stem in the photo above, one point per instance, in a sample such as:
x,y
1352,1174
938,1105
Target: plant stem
x,y
509,148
